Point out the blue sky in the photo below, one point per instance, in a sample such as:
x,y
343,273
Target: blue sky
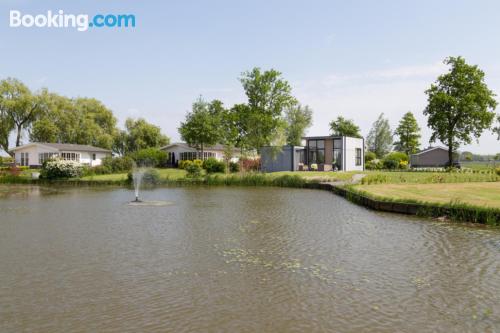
x,y
350,58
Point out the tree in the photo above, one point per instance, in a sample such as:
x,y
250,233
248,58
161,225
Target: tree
x,y
344,127
298,119
80,121
380,138
497,129
202,125
6,127
19,105
460,105
408,133
141,135
268,96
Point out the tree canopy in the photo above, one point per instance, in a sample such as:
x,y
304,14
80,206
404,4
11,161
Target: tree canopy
x,y
344,127
19,107
298,119
202,126
79,121
268,96
139,134
380,137
408,133
460,105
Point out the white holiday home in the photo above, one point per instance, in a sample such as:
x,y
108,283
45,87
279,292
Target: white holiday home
x,y
34,154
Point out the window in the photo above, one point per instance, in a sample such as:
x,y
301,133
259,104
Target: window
x,y
192,155
316,151
42,157
71,156
358,156
25,159
93,157
337,153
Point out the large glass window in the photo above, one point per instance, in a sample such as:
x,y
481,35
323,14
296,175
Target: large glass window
x,y
191,155
316,151
337,153
42,157
358,156
71,156
25,159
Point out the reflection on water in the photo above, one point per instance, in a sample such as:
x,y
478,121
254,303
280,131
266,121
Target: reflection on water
x,y
237,260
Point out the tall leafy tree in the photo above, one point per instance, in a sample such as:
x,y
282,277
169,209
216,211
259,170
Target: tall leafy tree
x,y
460,105
6,127
79,121
298,119
379,139
408,133
202,126
19,105
268,96
344,127
140,135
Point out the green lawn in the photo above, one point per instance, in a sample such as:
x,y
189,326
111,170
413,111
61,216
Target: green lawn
x,y
422,177
171,174
475,194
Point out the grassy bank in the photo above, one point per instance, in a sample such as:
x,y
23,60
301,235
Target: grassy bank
x,y
477,193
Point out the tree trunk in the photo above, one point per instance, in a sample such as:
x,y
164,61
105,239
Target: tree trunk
x,y
18,139
450,154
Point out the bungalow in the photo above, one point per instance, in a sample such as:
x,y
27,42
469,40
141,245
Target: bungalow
x,y
179,151
327,152
432,157
35,153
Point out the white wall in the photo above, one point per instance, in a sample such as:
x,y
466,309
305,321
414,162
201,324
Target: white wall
x,y
86,158
33,152
350,154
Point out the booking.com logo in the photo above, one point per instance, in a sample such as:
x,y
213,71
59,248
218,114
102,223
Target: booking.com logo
x,y
81,22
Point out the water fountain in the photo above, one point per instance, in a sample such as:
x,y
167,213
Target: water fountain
x,y
137,176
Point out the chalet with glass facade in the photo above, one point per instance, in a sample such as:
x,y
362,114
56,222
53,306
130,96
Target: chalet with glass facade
x,y
327,153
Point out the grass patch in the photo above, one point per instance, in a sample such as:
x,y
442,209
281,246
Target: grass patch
x,y
475,193
416,177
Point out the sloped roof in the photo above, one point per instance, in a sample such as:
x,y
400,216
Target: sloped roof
x,y
217,147
430,149
66,147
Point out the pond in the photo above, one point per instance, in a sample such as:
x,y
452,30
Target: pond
x,y
237,260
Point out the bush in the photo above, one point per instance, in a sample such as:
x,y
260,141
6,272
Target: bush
x,y
393,160
184,164
234,167
374,165
198,162
497,171
314,167
150,157
370,156
101,170
193,170
151,177
117,164
403,165
53,169
390,164
248,164
213,166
